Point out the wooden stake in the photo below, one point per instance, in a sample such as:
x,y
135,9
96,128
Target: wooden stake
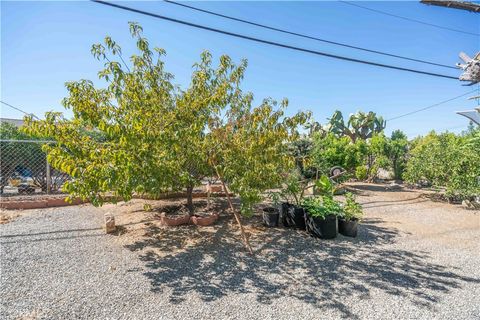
x,y
236,215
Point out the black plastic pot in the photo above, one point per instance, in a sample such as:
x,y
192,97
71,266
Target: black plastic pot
x,y
322,228
271,216
348,228
293,216
283,213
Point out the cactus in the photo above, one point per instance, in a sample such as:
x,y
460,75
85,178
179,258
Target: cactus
x,y
360,125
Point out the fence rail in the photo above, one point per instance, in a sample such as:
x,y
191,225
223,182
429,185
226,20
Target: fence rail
x,y
24,169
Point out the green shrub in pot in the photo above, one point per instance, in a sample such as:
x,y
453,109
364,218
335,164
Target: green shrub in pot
x,y
293,189
271,214
352,209
292,194
352,213
313,206
321,216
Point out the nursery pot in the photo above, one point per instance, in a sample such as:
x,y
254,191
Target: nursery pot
x,y
322,228
283,213
293,216
348,228
271,216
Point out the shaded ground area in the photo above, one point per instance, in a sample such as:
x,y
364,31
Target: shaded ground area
x,y
413,258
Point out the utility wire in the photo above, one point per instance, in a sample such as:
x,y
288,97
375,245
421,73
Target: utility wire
x,y
18,109
409,19
307,36
430,107
277,44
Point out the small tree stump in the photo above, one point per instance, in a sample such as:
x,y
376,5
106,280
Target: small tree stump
x,y
109,223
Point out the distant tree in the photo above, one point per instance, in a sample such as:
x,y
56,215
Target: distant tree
x,y
377,155
447,160
301,151
329,151
397,151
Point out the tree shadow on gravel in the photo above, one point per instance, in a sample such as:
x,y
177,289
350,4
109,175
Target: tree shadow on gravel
x,y
212,263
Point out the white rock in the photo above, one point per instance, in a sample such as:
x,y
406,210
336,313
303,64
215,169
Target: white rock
x,y
109,223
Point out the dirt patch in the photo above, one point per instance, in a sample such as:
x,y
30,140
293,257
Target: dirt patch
x,y
413,213
141,230
406,212
6,216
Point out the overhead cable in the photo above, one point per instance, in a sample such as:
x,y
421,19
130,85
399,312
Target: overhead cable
x,y
277,44
430,107
308,36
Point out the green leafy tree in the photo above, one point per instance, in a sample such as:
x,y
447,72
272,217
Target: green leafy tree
x,y
156,137
376,156
251,148
330,150
397,151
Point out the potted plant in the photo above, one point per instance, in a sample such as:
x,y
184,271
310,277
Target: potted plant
x,y
321,216
294,216
352,213
271,215
292,193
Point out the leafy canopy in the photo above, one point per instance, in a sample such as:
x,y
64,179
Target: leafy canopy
x,y
157,137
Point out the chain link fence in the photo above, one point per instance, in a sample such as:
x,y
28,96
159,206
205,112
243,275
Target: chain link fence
x,y
24,169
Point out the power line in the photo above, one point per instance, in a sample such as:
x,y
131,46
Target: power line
x,y
307,36
409,19
277,44
18,109
430,107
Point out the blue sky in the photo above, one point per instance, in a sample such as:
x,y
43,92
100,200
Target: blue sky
x,y
45,44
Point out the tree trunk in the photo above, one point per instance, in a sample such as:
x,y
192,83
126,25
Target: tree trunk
x,y
236,215
208,195
190,200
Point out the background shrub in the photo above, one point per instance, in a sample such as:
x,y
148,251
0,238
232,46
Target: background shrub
x,y
447,160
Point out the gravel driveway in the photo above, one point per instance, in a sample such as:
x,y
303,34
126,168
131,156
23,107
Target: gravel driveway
x,y
413,259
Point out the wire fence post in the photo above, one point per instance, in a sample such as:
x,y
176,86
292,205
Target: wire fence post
x,y
49,180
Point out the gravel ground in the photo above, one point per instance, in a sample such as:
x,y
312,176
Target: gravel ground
x,y
413,259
